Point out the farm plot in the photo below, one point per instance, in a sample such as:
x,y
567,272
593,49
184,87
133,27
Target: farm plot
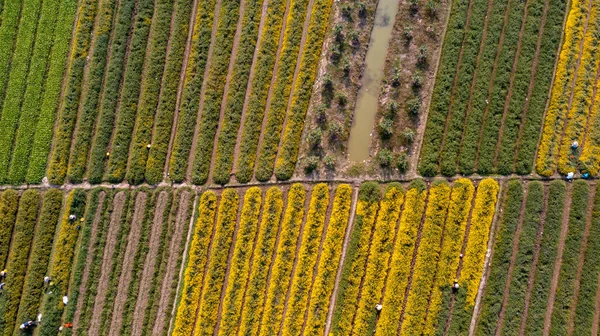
x,y
490,91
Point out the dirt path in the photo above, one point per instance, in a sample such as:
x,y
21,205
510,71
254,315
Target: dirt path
x,y
130,252
89,258
109,250
580,261
171,270
557,264
536,256
149,264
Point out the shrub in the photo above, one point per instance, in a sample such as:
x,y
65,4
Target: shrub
x,y
385,158
311,164
403,163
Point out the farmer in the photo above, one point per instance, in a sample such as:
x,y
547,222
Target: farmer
x,y
3,274
570,176
28,326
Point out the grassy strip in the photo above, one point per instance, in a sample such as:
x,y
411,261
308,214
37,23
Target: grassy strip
x,y
211,294
322,290
237,92
265,247
192,85
284,261
31,164
213,92
545,266
319,19
11,14
428,256
356,258
261,82
588,286
18,257
128,102
17,80
454,232
281,90
240,262
494,290
403,250
568,270
150,91
57,167
523,263
163,122
40,254
9,200
93,89
382,245
110,94
561,90
61,264
307,259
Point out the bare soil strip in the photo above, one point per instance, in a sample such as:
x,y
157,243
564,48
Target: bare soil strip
x,y
125,277
165,289
596,311
109,250
149,264
89,257
557,264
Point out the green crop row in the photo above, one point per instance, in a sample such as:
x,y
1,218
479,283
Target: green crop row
x,y
240,262
150,91
92,90
11,14
192,85
261,82
306,260
40,254
236,95
12,93
9,200
265,246
285,254
110,93
18,259
128,102
60,267
57,167
163,122
286,64
30,164
319,19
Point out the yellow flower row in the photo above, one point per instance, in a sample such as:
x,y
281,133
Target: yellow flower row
x,y
589,160
329,261
397,281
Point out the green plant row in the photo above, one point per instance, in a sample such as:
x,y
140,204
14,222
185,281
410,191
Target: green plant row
x,y
306,260
150,91
213,91
33,285
92,89
491,303
240,262
18,257
252,306
128,102
281,270
192,85
110,94
236,95
288,156
259,89
163,120
63,252
11,14
57,167
12,94
281,90
9,201
30,159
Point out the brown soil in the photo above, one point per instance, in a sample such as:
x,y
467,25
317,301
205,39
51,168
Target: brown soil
x,y
126,272
149,264
89,258
171,270
109,250
557,264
